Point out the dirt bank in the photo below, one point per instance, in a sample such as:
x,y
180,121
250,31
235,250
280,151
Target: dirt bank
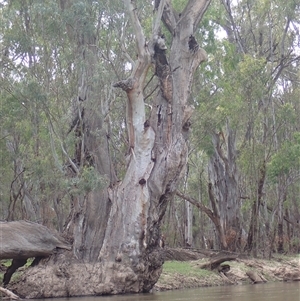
x,y
184,269
179,274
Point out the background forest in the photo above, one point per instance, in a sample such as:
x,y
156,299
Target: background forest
x,y
241,189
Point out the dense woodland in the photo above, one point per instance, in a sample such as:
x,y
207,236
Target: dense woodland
x,y
240,189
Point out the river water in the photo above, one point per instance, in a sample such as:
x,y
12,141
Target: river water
x,y
279,291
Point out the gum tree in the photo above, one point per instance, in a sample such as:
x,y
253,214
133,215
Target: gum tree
x,y
115,228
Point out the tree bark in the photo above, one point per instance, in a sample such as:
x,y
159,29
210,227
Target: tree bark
x,y
188,224
223,188
253,228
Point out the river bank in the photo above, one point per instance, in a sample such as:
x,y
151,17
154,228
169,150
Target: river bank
x,y
184,269
180,274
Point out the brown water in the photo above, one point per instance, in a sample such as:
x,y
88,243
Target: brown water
x,y
261,292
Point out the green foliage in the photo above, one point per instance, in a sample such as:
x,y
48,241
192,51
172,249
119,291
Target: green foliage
x,y
287,114
88,181
179,5
286,159
254,91
36,95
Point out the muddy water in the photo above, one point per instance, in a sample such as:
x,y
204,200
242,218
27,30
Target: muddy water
x,y
261,292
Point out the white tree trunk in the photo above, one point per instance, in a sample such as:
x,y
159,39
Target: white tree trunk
x,y
116,231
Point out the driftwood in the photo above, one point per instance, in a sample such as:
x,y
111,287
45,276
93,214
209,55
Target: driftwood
x,y
255,277
224,268
22,239
219,258
224,276
9,294
289,274
181,254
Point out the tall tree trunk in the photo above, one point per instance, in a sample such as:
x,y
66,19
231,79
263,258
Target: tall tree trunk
x,y
224,193
252,238
115,230
280,229
188,219
188,224
220,239
22,205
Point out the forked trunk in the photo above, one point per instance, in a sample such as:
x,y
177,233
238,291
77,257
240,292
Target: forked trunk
x,y
115,230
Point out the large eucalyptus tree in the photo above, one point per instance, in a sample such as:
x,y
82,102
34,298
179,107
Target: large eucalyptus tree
x,y
115,228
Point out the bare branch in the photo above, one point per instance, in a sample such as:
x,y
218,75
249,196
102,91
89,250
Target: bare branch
x,y
169,17
151,93
233,24
69,159
124,51
187,21
195,10
201,12
138,30
157,18
202,207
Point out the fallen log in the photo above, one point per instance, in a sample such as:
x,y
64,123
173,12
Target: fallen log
x,y
20,240
255,277
180,254
23,239
219,258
